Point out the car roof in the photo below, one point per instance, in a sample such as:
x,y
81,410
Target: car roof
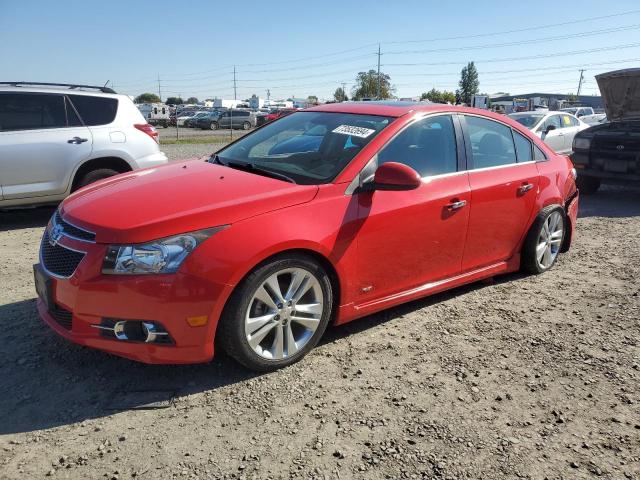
x,y
399,108
58,90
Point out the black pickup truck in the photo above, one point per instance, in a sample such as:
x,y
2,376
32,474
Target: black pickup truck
x,y
610,152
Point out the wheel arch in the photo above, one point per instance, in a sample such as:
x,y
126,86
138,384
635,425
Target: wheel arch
x,y
115,163
308,252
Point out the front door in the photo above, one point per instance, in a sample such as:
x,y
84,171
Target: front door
x,y
554,138
39,147
409,238
504,182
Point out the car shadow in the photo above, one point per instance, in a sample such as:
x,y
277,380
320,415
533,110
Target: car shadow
x,y
54,382
611,201
25,218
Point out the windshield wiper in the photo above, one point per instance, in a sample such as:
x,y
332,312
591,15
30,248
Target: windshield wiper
x,y
252,167
215,159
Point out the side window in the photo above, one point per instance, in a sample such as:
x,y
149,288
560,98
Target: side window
x,y
538,154
553,120
491,143
428,146
567,121
72,117
523,147
95,111
574,121
27,111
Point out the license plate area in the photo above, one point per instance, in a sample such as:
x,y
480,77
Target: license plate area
x,y
44,286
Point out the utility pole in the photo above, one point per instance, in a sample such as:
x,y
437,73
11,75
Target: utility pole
x,y
268,95
344,92
159,91
234,84
379,84
580,82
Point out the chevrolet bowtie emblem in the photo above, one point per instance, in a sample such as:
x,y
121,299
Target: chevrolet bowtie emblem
x,y
55,235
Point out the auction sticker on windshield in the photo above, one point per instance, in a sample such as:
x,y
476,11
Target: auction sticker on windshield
x,y
352,130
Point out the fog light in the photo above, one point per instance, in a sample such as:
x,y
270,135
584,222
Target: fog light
x,y
134,331
198,321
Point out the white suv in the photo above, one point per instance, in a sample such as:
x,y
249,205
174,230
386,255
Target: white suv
x,y
56,138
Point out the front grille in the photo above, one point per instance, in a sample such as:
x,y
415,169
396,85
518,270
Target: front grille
x,y
61,316
59,260
72,230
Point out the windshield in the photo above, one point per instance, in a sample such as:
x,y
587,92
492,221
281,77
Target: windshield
x,y
529,120
309,147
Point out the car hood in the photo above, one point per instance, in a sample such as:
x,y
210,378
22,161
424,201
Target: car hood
x,y
621,93
159,202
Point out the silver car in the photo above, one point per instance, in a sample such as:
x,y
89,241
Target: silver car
x,y
55,139
556,129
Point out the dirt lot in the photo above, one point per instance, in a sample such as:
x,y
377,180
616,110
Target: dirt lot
x,y
526,377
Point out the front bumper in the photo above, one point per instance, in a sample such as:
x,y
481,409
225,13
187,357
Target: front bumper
x,y
75,305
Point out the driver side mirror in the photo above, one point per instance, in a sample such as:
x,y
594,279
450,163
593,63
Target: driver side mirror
x,y
393,176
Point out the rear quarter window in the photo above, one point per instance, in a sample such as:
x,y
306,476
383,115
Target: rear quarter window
x,y
95,111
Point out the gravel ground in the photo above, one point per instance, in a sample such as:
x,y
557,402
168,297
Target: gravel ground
x,y
179,152
176,152
224,135
523,377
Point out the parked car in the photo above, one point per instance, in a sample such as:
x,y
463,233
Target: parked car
x,y
610,152
595,119
578,111
192,121
556,129
279,112
262,247
233,118
55,139
208,121
183,117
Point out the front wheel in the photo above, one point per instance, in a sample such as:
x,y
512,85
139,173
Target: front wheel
x,y
277,314
544,240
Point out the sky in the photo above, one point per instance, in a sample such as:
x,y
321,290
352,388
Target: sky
x,y
294,48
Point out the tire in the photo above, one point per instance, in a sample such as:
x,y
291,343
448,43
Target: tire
x,y
213,126
270,323
539,252
95,175
587,185
246,126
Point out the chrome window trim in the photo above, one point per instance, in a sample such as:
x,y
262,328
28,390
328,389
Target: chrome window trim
x,y
501,166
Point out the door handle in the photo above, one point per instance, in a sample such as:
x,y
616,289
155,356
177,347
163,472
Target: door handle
x,y
456,205
525,187
77,140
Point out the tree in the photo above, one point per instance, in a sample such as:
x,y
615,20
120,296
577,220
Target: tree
x,y
192,100
437,96
147,98
312,100
174,101
367,86
339,95
469,84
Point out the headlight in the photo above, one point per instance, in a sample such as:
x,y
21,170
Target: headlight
x,y
160,256
581,143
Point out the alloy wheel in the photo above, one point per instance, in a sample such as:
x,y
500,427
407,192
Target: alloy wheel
x,y
284,313
550,240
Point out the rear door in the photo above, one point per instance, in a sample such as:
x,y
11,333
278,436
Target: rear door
x,y
41,141
504,182
555,138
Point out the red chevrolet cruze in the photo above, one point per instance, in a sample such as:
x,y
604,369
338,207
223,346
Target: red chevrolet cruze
x,y
325,215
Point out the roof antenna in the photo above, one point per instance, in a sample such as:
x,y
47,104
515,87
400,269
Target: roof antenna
x,y
106,83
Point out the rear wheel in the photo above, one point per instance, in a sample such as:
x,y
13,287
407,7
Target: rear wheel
x,y
213,125
544,240
95,175
277,314
246,126
587,185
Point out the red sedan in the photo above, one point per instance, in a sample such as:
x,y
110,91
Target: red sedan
x,y
322,216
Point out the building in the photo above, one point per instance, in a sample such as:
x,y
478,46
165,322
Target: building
x,y
553,101
222,103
